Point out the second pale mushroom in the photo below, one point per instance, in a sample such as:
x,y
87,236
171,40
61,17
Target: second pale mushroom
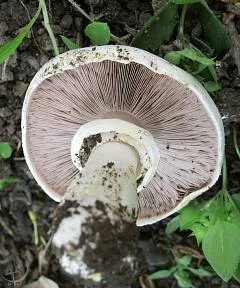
x,y
117,134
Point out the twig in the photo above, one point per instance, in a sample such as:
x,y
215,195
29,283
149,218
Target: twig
x,y
48,27
4,66
146,283
113,37
6,228
33,217
80,10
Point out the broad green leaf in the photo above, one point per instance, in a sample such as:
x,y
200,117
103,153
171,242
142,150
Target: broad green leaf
x,y
172,225
213,31
236,199
198,230
158,29
5,150
184,261
183,279
221,248
237,273
216,211
69,43
188,216
200,272
98,32
197,56
173,57
7,180
10,47
160,274
211,86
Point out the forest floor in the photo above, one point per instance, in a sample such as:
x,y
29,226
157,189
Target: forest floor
x,y
16,229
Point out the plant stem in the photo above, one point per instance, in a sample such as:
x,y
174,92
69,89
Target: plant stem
x,y
48,27
180,36
235,141
33,217
225,195
224,174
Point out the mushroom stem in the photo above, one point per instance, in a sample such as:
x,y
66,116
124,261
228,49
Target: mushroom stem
x,y
95,219
110,173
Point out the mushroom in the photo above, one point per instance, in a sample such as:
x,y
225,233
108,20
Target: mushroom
x,y
117,134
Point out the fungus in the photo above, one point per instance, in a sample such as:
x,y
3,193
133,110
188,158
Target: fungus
x,y
116,134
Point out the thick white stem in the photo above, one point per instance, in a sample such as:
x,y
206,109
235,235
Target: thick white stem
x,y
109,175
96,216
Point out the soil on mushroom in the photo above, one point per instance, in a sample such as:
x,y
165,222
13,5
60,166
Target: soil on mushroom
x,y
16,233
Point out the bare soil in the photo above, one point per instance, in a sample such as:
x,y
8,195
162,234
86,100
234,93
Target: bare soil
x,y
16,230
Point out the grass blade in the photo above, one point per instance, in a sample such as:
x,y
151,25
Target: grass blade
x,y
10,47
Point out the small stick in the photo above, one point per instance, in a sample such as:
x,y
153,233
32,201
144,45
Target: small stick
x,y
48,27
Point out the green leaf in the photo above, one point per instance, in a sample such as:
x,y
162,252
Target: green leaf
x,y
196,55
184,261
211,86
10,47
173,57
213,31
183,279
200,272
235,218
7,180
221,248
172,225
183,2
188,216
237,273
158,29
198,230
98,32
5,150
69,43
236,199
160,274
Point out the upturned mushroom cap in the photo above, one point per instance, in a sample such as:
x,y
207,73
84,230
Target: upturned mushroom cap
x,y
101,82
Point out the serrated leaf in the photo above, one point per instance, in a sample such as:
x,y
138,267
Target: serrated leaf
x,y
188,216
172,225
69,43
200,272
98,32
184,261
221,248
158,28
160,274
7,180
183,279
10,47
5,150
